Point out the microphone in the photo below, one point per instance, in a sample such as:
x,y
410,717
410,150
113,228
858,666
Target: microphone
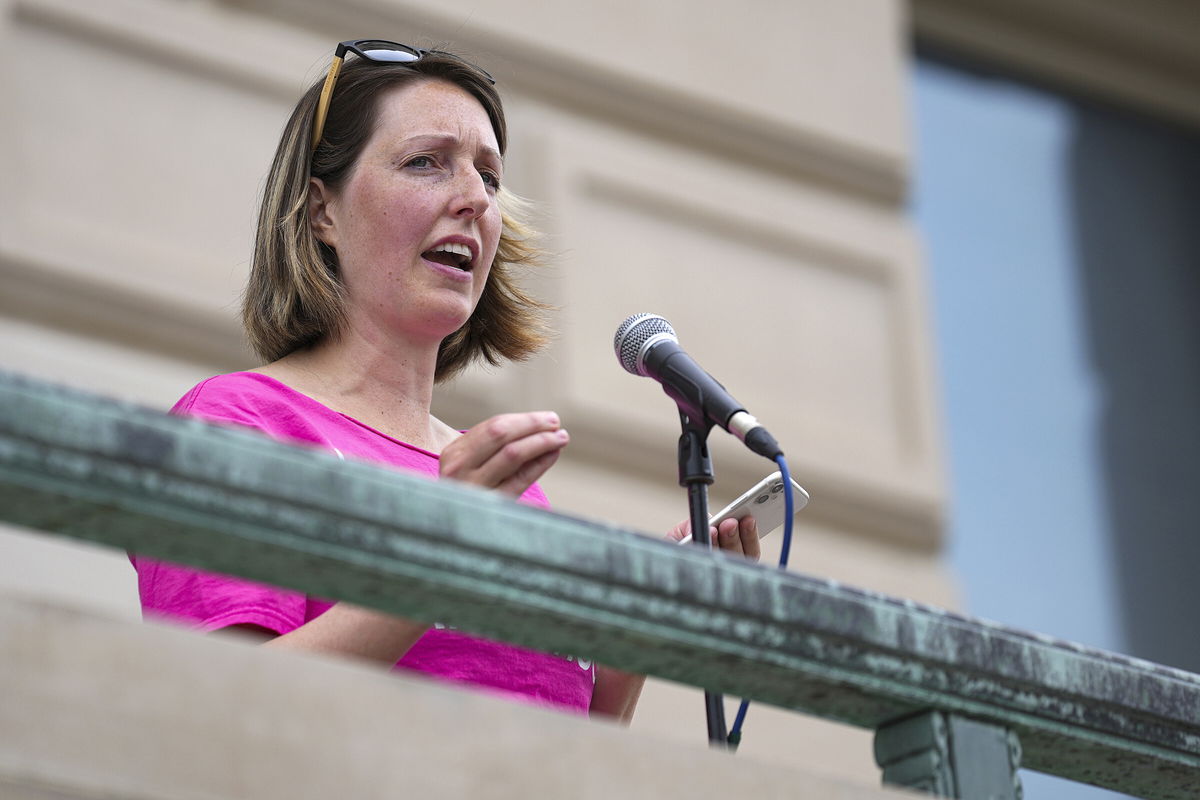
x,y
646,345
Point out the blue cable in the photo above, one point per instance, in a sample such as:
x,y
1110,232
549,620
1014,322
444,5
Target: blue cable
x,y
789,505
735,734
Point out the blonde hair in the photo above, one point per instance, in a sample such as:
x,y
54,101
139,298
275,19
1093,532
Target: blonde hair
x,y
294,295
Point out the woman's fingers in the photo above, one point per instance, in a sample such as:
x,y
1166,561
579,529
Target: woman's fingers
x,y
507,452
529,472
727,538
738,537
735,537
680,532
481,443
747,532
514,457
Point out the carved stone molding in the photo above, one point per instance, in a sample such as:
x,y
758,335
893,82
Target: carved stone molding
x,y
1143,55
591,83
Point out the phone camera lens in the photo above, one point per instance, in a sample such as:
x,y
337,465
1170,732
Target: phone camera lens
x,y
762,498
776,488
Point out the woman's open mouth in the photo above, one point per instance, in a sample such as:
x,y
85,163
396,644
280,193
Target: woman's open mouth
x,y
452,254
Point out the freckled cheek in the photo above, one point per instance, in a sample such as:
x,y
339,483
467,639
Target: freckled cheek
x,y
493,226
391,228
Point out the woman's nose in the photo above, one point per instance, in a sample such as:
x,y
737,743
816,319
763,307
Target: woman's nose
x,y
473,197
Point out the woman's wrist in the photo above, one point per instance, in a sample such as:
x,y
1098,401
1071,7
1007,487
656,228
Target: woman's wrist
x,y
616,693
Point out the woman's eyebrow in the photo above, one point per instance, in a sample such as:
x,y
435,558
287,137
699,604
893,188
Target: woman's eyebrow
x,y
450,140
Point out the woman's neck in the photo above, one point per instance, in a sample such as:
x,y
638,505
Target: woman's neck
x,y
389,389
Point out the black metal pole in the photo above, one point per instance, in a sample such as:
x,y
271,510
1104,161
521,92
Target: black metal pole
x,y
696,474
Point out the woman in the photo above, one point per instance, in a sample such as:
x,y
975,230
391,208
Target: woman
x,y
383,265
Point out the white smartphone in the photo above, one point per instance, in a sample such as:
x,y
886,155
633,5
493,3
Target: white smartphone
x,y
765,502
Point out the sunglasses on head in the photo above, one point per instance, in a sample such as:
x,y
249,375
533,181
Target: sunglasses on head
x,y
379,50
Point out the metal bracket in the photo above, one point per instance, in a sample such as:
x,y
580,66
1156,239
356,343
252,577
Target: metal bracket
x,y
947,755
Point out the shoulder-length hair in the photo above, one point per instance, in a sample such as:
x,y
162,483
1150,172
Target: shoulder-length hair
x,y
294,296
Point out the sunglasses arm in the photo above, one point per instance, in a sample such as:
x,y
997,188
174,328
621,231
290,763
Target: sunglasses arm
x,y
326,95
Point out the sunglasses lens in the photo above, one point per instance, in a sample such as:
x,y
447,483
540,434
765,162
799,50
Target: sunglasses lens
x,y
387,51
394,52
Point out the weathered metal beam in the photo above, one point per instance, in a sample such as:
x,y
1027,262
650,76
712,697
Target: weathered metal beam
x,y
227,500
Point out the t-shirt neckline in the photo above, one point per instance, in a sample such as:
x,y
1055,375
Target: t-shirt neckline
x,y
343,415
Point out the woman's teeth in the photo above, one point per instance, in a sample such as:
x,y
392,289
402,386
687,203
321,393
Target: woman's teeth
x,y
451,254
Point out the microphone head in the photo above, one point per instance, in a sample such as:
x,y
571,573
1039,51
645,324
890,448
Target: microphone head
x,y
637,334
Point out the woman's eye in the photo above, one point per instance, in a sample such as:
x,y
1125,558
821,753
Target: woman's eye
x,y
490,179
420,162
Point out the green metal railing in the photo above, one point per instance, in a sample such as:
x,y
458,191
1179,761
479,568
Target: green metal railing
x,y
957,703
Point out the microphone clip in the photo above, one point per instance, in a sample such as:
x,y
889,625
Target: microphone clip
x,y
695,464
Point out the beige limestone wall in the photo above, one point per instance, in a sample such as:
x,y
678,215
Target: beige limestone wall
x,y
739,169
111,709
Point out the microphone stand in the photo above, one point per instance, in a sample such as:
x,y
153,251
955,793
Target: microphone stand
x,y
696,473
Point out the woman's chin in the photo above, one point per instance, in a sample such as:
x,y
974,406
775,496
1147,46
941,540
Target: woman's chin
x,y
438,322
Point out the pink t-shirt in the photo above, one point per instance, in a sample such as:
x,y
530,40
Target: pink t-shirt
x,y
210,601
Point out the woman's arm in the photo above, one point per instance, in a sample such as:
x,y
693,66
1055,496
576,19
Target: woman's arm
x,y
509,453
344,629
616,694
354,631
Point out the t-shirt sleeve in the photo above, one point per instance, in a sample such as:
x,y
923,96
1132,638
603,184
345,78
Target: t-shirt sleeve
x,y
206,600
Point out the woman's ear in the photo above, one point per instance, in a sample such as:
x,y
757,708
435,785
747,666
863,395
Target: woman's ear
x,y
319,217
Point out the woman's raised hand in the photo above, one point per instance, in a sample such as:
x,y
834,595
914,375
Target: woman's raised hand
x,y
734,537
506,452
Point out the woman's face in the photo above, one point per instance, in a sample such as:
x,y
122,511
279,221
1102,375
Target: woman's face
x,y
416,225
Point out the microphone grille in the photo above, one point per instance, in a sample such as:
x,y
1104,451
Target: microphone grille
x,y
634,334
